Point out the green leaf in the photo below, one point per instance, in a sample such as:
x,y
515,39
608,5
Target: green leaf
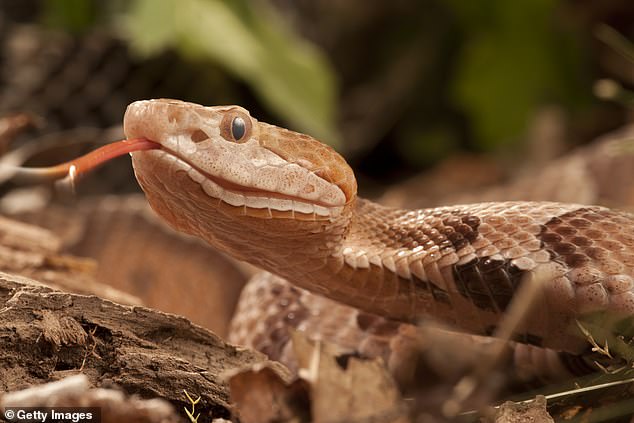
x,y
290,75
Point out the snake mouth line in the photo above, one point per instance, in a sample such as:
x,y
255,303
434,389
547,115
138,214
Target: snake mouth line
x,y
238,195
233,194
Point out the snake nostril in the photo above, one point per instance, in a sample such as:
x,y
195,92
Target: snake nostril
x,y
198,135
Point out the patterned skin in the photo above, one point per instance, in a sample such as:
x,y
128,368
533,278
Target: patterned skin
x,y
286,203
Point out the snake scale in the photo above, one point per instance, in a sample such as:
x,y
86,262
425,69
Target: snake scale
x,y
287,203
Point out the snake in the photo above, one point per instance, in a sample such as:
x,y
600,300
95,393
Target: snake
x,y
288,204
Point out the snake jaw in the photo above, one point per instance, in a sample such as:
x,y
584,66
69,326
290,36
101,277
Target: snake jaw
x,y
251,175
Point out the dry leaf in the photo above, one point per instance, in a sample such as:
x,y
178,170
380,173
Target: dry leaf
x,y
354,391
260,395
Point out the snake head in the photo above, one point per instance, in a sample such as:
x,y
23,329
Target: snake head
x,y
223,159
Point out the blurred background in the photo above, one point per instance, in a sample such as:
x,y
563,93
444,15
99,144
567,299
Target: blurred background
x,y
398,87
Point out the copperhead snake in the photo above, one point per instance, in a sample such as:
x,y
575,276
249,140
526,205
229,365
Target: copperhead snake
x,y
288,204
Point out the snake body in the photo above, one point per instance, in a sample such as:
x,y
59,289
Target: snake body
x,y
287,203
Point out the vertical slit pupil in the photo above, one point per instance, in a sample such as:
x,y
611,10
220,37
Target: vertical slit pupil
x,y
238,128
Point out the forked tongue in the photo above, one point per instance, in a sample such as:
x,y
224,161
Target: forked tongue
x,y
83,164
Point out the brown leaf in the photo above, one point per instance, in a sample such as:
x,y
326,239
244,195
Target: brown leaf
x,y
260,395
357,391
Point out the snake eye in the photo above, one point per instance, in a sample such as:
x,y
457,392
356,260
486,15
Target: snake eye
x,y
238,128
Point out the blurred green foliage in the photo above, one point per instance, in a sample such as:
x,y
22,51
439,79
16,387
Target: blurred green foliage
x,y
249,40
72,15
514,59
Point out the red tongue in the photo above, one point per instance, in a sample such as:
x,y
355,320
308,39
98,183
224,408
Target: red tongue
x,y
90,161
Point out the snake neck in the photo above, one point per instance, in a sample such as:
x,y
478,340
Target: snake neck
x,y
352,259
336,257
